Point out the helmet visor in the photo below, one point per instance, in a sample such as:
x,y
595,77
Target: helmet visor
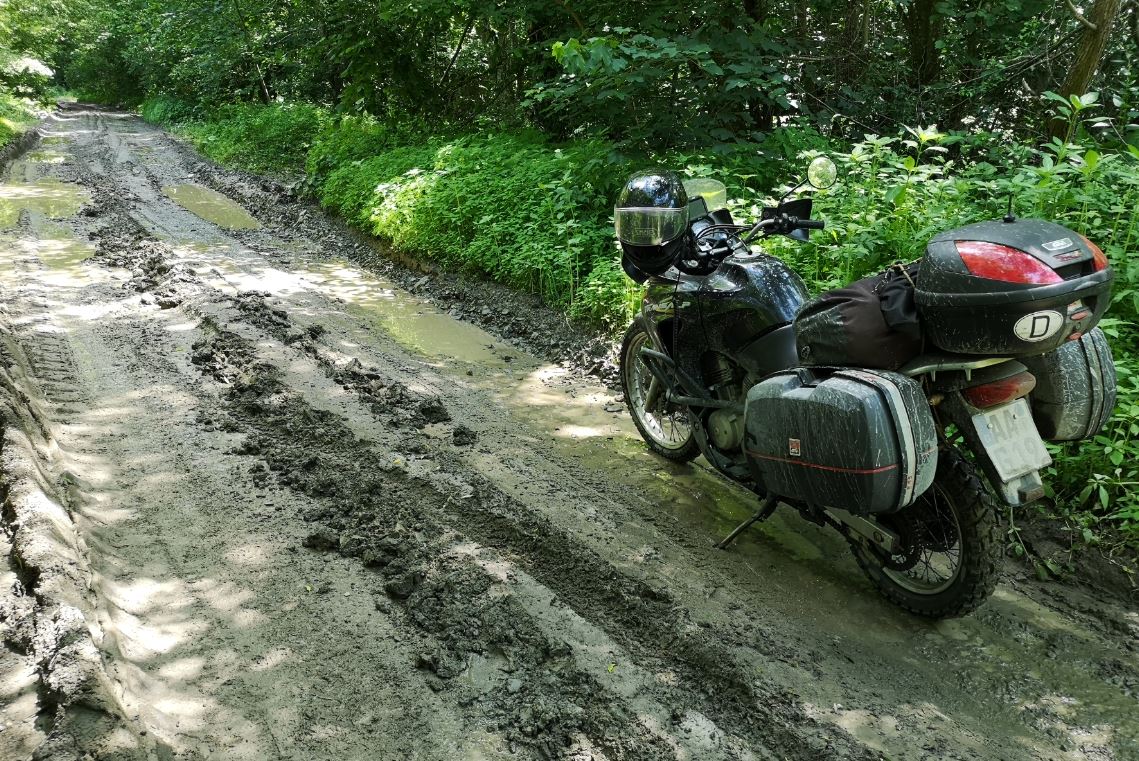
x,y
649,226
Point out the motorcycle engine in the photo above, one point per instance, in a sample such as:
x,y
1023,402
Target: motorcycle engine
x,y
726,429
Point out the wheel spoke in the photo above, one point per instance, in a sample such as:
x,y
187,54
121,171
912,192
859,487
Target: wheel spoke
x,y
667,428
936,560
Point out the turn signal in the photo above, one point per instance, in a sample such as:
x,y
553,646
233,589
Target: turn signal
x,y
999,392
996,262
1098,258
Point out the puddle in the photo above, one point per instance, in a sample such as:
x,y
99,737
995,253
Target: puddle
x,y
59,249
46,156
415,324
50,197
211,206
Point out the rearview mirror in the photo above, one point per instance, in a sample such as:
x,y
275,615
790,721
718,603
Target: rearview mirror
x,y
822,173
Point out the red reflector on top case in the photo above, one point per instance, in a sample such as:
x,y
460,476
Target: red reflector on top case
x,y
993,261
1098,257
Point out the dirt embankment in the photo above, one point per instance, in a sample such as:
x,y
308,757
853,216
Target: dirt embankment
x,y
285,508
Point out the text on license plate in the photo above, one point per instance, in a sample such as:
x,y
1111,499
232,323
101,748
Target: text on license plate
x,y
1011,440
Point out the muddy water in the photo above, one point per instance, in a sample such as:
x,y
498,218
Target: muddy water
x,y
211,206
413,323
46,196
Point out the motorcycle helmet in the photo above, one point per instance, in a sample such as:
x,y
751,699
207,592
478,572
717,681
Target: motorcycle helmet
x,y
651,218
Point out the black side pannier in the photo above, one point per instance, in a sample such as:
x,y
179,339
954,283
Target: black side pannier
x,y
859,440
1010,288
1075,388
872,322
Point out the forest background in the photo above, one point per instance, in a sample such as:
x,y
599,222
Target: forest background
x,y
492,136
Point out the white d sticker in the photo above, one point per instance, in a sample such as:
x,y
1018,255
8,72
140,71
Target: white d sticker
x,y
1038,326
1058,245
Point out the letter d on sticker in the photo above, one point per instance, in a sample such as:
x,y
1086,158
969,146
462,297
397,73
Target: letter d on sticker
x,y
1038,326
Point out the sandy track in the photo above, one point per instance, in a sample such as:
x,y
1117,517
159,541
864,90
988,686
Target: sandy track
x,y
285,509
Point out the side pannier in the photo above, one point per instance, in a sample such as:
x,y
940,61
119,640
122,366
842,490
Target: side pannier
x,y
1075,388
859,440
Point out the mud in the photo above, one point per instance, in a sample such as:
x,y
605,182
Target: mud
x,y
299,511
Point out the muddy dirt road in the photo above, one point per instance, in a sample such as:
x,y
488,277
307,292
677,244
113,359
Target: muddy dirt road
x,y
261,503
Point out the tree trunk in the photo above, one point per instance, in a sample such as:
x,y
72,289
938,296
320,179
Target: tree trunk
x,y
1096,33
1135,21
253,53
922,29
855,31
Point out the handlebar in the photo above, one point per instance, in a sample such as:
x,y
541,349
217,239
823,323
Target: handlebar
x,y
783,223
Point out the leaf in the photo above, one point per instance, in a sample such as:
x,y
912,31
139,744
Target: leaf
x,y
896,194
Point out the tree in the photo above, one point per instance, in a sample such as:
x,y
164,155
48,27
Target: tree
x,y
1094,36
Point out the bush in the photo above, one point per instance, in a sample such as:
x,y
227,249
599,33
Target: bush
x,y
165,110
16,116
508,205
274,138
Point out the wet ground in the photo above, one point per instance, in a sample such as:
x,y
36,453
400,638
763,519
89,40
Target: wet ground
x,y
261,502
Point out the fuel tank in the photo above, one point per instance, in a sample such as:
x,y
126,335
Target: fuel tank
x,y
743,310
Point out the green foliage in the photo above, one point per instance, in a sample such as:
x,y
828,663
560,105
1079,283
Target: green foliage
x,y
15,117
642,87
355,138
507,205
166,111
274,138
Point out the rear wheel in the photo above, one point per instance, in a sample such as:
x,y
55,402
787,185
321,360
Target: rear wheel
x,y
947,563
666,428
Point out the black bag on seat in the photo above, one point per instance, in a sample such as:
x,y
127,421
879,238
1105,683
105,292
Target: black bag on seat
x,y
872,322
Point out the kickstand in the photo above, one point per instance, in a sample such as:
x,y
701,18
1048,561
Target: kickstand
x,y
766,508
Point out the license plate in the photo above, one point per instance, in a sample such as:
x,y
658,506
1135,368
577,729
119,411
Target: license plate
x,y
1011,440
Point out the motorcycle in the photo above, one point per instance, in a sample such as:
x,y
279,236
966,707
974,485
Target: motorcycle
x,y
719,362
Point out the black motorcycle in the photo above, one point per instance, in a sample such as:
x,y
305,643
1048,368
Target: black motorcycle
x,y
869,409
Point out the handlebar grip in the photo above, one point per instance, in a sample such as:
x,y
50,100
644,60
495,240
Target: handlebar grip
x,y
811,224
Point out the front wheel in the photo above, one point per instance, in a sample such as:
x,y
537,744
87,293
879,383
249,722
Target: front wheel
x,y
947,563
666,428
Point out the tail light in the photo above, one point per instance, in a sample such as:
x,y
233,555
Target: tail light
x,y
996,262
1098,258
1001,391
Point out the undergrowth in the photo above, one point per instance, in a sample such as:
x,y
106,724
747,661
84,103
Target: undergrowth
x,y
537,215
16,116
